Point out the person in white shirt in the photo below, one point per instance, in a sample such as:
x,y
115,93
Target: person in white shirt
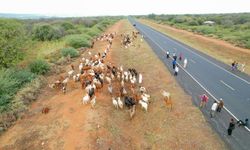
x,y
213,109
176,70
185,63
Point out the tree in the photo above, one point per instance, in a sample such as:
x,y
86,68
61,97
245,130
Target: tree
x,y
12,40
47,32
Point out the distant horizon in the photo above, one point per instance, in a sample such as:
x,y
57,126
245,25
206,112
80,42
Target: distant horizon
x,y
85,8
61,16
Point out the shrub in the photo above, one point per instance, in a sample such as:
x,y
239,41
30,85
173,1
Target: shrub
x,y
78,41
69,51
8,87
47,32
93,32
39,67
12,40
22,76
67,26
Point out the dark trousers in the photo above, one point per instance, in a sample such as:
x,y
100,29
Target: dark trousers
x,y
229,131
175,73
173,66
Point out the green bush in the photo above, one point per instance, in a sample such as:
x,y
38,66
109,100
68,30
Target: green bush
x,y
69,51
93,32
67,26
47,32
78,41
11,80
39,67
12,40
22,76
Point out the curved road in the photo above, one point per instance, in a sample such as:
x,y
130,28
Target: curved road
x,y
205,74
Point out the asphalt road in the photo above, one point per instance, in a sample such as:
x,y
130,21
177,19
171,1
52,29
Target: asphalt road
x,y
204,74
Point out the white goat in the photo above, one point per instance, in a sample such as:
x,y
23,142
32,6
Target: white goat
x,y
70,73
144,105
165,94
86,99
140,78
80,66
65,81
142,89
145,97
115,103
120,104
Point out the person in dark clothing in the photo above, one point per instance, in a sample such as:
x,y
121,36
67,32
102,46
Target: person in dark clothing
x,y
241,123
175,57
231,127
174,64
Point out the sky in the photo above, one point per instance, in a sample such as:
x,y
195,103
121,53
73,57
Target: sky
x,y
122,7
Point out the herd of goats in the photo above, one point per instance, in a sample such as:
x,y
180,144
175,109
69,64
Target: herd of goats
x,y
124,86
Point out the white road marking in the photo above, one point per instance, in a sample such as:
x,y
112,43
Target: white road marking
x,y
227,85
197,81
202,57
192,61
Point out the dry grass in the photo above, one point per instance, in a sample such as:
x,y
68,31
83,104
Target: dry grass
x,y
218,49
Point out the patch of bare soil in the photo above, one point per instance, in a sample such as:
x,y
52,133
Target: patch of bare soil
x,y
72,125
219,49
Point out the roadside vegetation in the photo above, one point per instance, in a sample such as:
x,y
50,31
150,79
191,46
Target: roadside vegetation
x,y
234,28
28,49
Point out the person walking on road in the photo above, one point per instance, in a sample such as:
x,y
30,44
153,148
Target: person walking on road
x,y
174,64
174,56
176,70
213,109
220,105
231,127
180,56
167,54
204,99
185,63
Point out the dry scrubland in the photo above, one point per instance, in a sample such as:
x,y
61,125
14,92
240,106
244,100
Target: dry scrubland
x,y
218,49
71,125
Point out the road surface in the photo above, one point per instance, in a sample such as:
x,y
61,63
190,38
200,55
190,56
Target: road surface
x,y
204,74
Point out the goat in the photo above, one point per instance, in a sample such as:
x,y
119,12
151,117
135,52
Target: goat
x,y
144,105
80,66
129,101
108,79
70,73
167,99
142,89
65,81
93,101
45,110
140,79
76,77
145,97
110,89
85,99
115,103
132,112
64,89
120,104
